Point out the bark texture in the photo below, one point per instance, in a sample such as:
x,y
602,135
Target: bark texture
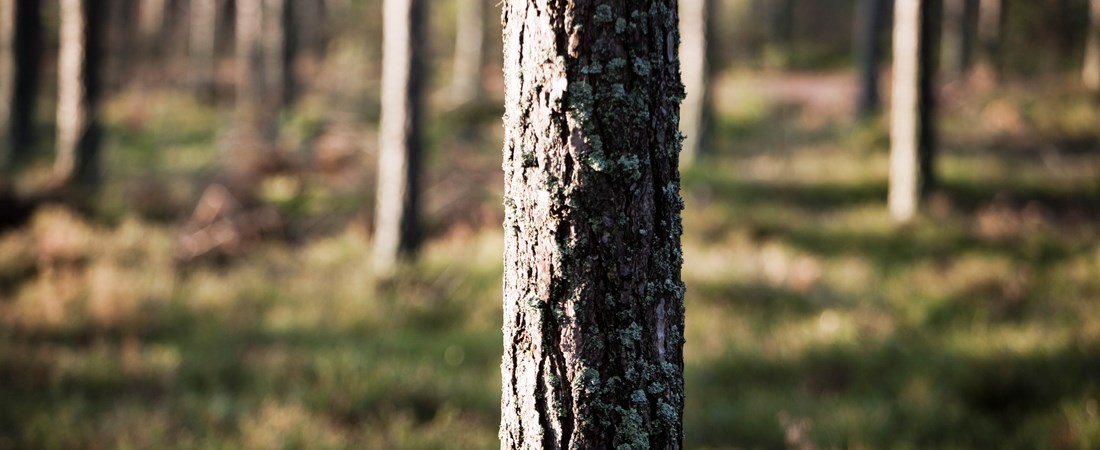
x,y
694,32
20,50
593,298
912,131
78,90
396,233
469,42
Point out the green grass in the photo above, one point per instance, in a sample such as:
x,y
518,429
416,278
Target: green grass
x,y
812,317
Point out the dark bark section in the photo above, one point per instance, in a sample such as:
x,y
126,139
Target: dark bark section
x,y
26,58
872,17
931,24
79,90
593,298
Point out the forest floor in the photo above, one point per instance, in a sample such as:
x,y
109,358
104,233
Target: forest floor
x,y
814,321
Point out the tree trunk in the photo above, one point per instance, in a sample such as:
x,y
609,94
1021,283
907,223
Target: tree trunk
x,y
695,68
202,46
593,300
1090,72
927,145
78,90
396,233
265,46
469,41
7,79
20,53
958,35
912,129
872,20
991,25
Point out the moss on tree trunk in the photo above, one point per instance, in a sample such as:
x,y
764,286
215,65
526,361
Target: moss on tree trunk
x,y
593,300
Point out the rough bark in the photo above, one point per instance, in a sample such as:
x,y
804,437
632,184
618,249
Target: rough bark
x,y
912,130
396,231
469,42
593,299
78,90
1090,71
20,51
872,21
695,67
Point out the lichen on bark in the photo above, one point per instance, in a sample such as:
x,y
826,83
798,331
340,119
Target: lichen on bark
x,y
593,298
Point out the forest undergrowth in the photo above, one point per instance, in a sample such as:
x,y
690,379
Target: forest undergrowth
x,y
813,320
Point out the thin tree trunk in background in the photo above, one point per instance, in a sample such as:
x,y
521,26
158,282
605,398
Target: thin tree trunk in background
x,y
931,24
7,80
1090,72
871,22
396,230
249,54
469,42
202,44
905,110
19,78
264,56
593,298
696,75
151,15
991,24
958,35
285,41
78,90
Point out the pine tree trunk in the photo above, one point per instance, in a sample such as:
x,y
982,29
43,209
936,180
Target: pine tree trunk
x,y
905,115
250,60
872,18
20,53
7,79
78,91
991,30
469,41
1090,72
593,299
696,72
396,233
958,35
265,51
927,146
